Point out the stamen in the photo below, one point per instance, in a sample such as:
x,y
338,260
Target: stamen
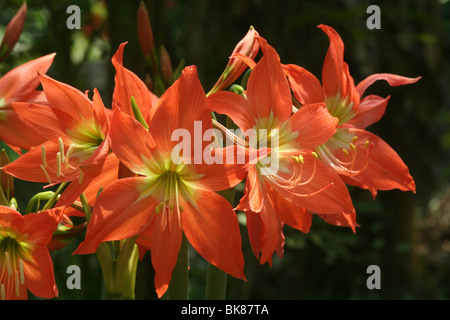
x,y
44,156
81,177
61,149
8,263
46,174
346,166
58,164
69,153
22,275
17,284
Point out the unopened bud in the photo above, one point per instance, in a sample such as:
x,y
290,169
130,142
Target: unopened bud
x,y
13,32
145,33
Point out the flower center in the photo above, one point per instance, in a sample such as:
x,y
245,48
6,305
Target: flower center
x,y
343,156
14,249
340,108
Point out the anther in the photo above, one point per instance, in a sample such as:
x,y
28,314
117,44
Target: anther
x,y
352,146
366,144
314,155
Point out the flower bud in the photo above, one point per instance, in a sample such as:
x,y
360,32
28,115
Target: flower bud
x,y
247,47
12,32
166,66
145,33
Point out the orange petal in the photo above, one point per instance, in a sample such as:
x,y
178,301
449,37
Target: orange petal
x,y
127,85
166,243
305,86
314,125
291,214
370,110
130,141
392,79
181,107
39,276
40,118
212,228
20,83
234,106
320,189
385,169
70,105
268,89
332,71
119,213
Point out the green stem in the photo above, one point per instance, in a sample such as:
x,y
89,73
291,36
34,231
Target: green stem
x,y
179,285
216,284
216,279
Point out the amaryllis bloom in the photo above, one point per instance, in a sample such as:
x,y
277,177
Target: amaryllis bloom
x,y
25,262
360,157
280,194
20,84
247,47
173,191
75,130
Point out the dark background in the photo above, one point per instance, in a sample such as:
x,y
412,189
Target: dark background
x,y
407,235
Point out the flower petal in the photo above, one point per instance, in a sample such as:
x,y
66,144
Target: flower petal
x,y
20,83
385,170
234,106
268,89
119,213
166,243
318,188
130,141
314,124
212,228
370,110
127,85
182,107
305,86
392,79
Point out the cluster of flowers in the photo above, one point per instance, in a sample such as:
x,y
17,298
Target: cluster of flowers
x,y
114,165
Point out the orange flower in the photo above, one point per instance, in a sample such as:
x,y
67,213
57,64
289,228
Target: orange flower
x,y
282,194
168,198
20,84
75,130
360,157
25,262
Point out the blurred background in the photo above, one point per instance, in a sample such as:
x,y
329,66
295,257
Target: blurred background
x,y
407,235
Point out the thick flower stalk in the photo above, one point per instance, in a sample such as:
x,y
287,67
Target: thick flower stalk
x,y
281,187
25,262
361,158
173,192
